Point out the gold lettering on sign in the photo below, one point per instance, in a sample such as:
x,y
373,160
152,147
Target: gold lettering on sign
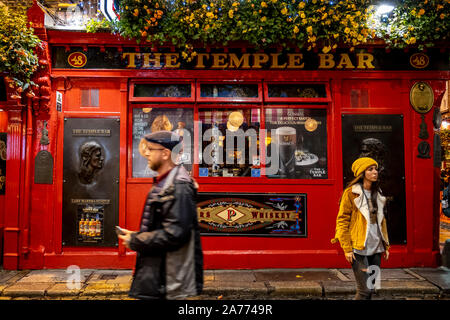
x,y
365,61
295,61
131,58
171,60
345,62
92,132
90,201
156,61
326,61
236,63
275,61
259,58
200,60
219,60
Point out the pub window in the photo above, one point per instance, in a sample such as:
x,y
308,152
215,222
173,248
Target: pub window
x,y
89,97
296,91
162,90
229,92
2,89
296,143
229,142
147,120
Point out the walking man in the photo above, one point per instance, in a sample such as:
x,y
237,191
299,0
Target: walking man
x,y
169,263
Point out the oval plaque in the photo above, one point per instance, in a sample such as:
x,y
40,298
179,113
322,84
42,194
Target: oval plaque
x,y
419,60
421,97
77,59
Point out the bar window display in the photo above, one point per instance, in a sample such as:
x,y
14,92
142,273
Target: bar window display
x,y
229,143
147,120
296,143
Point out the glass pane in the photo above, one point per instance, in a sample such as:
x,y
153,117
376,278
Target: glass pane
x,y
229,90
297,143
148,120
229,143
94,98
85,97
297,91
162,90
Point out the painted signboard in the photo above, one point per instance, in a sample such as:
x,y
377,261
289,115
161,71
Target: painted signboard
x,y
252,214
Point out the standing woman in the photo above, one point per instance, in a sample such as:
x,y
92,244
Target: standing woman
x,y
360,225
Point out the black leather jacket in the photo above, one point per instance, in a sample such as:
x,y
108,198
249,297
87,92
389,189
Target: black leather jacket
x,y
169,261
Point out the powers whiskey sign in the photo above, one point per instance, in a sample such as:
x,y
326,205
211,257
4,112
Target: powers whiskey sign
x,y
252,214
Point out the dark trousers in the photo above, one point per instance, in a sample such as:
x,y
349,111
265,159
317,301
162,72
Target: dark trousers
x,y
360,270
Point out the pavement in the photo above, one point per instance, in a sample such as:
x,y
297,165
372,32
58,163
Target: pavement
x,y
275,284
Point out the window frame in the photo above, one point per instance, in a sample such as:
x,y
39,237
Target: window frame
x,y
132,98
201,99
326,99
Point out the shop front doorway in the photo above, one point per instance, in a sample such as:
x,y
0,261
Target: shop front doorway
x,y
381,138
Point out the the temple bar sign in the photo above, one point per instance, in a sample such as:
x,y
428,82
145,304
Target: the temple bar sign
x,y
251,60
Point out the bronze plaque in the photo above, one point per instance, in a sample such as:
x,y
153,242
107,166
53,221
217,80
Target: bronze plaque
x,y
91,181
43,168
421,97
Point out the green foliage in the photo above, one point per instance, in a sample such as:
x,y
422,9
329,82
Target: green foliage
x,y
17,49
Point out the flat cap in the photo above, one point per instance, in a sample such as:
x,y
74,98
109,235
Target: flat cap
x,y
167,139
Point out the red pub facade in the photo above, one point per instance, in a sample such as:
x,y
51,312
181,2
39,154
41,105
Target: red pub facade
x,y
74,169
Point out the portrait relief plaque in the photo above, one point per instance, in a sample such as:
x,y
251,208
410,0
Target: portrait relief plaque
x,y
91,181
381,138
421,97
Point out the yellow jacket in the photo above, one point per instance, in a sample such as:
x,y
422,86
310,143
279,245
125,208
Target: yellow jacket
x,y
352,224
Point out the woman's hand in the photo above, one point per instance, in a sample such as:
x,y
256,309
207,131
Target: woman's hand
x,y
349,256
386,255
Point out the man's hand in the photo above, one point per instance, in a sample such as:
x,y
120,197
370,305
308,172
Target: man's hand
x,y
386,255
126,237
349,256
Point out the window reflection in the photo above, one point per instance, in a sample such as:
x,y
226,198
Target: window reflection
x,y
229,90
299,136
229,143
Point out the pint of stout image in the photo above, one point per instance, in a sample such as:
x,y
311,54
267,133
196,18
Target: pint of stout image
x,y
286,139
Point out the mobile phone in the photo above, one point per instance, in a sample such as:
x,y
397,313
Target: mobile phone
x,y
119,230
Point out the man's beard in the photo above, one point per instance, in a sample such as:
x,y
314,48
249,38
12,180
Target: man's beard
x,y
155,165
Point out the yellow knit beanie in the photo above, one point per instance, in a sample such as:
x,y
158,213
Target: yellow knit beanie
x,y
360,165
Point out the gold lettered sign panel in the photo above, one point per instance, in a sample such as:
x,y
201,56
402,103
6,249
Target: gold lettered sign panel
x,y
252,214
421,97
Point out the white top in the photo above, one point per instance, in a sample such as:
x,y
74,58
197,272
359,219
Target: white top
x,y
373,241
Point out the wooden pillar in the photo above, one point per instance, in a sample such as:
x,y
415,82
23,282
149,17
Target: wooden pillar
x,y
12,197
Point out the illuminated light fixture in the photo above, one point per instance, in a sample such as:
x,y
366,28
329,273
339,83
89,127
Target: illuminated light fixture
x,y
268,140
310,124
384,9
231,127
146,110
236,119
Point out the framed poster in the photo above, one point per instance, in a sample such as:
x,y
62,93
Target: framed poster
x,y
299,136
381,138
252,214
